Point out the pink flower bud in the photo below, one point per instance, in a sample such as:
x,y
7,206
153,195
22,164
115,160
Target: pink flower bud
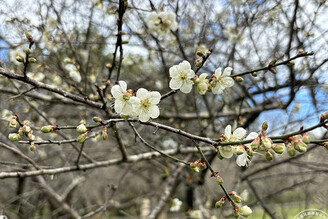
x,y
13,137
199,62
325,144
81,138
267,142
306,138
32,147
324,116
97,119
255,144
194,167
300,146
13,122
291,151
26,129
279,149
219,203
104,133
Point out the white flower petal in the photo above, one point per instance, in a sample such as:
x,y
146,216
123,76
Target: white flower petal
x,y
217,89
252,135
174,73
242,160
154,97
127,109
203,76
123,85
191,74
142,93
186,87
227,131
218,72
144,116
227,71
134,100
175,84
239,133
116,91
118,106
185,65
154,111
227,82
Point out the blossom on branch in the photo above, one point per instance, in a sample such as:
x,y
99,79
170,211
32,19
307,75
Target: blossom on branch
x,y
243,159
147,107
221,81
181,76
162,22
124,100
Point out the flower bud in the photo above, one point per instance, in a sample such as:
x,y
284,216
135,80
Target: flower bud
x,y
104,133
32,60
279,149
236,197
19,59
194,167
306,138
199,62
81,138
13,137
31,137
200,53
97,119
219,155
13,122
109,66
48,128
27,51
236,212
245,211
29,36
219,203
291,64
239,79
218,179
26,129
300,146
255,144
268,156
291,151
81,129
267,142
254,74
125,41
265,126
20,132
32,147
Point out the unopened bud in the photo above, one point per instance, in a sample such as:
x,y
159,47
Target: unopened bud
x,y
125,41
200,53
265,126
199,62
32,147
32,60
26,129
81,138
219,203
81,129
239,79
301,52
104,133
13,122
29,36
202,165
13,137
254,74
267,142
236,197
19,59
109,66
268,156
306,138
291,63
245,211
194,167
97,119
48,128
291,151
219,155
27,51
300,146
218,179
279,149
31,137
324,116
274,71
236,212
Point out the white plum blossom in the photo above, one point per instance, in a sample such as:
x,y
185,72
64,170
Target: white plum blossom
x,y
73,72
202,84
176,204
147,107
222,81
38,76
181,76
243,159
162,23
246,211
237,135
124,101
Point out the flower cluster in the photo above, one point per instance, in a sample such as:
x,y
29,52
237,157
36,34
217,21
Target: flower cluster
x,y
143,103
183,78
244,152
162,23
24,130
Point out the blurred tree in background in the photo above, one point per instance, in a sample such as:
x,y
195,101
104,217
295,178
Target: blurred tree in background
x,y
69,150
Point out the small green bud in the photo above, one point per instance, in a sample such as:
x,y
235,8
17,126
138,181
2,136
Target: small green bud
x,y
254,74
265,126
31,137
306,138
13,137
97,119
202,165
219,203
200,53
29,36
27,51
13,122
32,147
279,149
218,179
245,211
267,142
48,128
199,62
291,151
32,60
239,79
81,129
109,66
268,156
255,144
104,133
81,138
19,59
300,146
219,155
291,64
